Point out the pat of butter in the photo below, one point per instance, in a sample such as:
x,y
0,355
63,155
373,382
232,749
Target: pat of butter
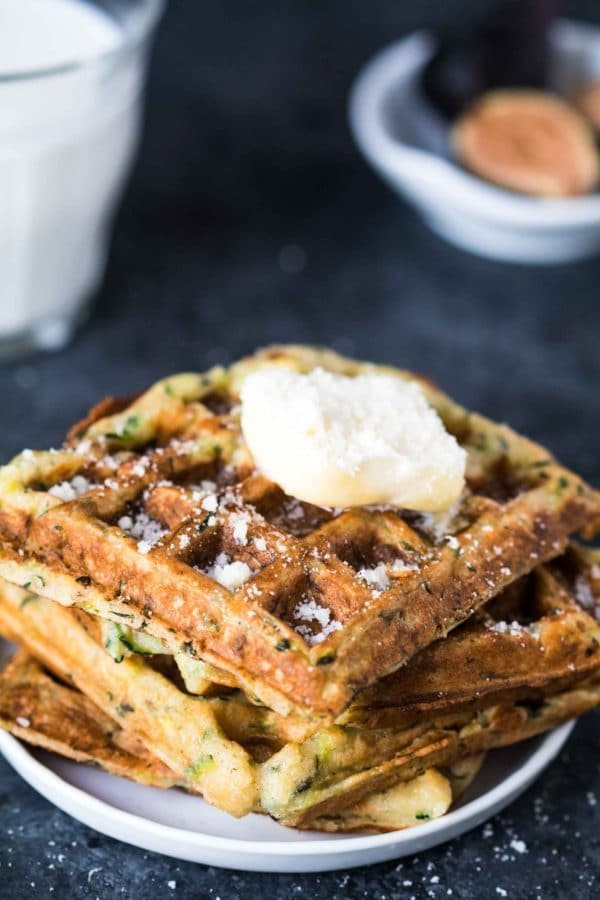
x,y
339,441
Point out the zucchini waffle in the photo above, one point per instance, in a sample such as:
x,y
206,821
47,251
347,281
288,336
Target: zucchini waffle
x,y
336,778
152,516
184,623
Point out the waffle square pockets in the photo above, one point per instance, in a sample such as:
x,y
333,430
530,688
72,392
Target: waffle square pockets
x,y
153,517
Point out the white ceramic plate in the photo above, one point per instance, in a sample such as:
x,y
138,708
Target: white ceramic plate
x,y
185,827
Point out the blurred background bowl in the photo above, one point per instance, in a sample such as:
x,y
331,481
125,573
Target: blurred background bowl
x,y
407,144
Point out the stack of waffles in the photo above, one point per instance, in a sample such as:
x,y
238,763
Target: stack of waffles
x,y
182,622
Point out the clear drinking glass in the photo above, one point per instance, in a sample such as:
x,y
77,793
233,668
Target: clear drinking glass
x,y
68,134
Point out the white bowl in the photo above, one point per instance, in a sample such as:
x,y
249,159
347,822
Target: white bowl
x,y
406,143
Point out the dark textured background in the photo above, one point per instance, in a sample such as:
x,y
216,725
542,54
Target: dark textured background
x,y
247,154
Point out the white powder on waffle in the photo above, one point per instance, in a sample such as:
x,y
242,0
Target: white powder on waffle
x,y
230,575
337,441
143,529
260,544
139,469
110,462
399,566
201,490
376,578
240,522
310,611
210,503
513,628
72,489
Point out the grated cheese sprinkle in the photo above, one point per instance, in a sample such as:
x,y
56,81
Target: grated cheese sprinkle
x,y
311,611
376,579
240,522
514,628
143,529
230,575
72,489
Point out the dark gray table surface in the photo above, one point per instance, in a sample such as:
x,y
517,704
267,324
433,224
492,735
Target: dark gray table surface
x,y
252,219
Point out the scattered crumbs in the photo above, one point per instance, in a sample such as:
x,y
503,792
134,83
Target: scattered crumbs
x,y
230,575
518,846
171,885
309,611
501,892
591,798
143,529
488,831
71,490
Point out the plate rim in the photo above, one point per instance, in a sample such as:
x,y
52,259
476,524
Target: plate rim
x,y
39,776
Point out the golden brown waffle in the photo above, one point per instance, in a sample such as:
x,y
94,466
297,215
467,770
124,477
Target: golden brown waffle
x,y
44,713
372,749
308,629
179,730
335,769
41,711
534,636
336,780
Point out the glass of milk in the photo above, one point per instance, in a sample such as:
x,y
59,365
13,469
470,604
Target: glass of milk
x,y
71,80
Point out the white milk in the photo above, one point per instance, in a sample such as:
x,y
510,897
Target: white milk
x,y
39,34
67,137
